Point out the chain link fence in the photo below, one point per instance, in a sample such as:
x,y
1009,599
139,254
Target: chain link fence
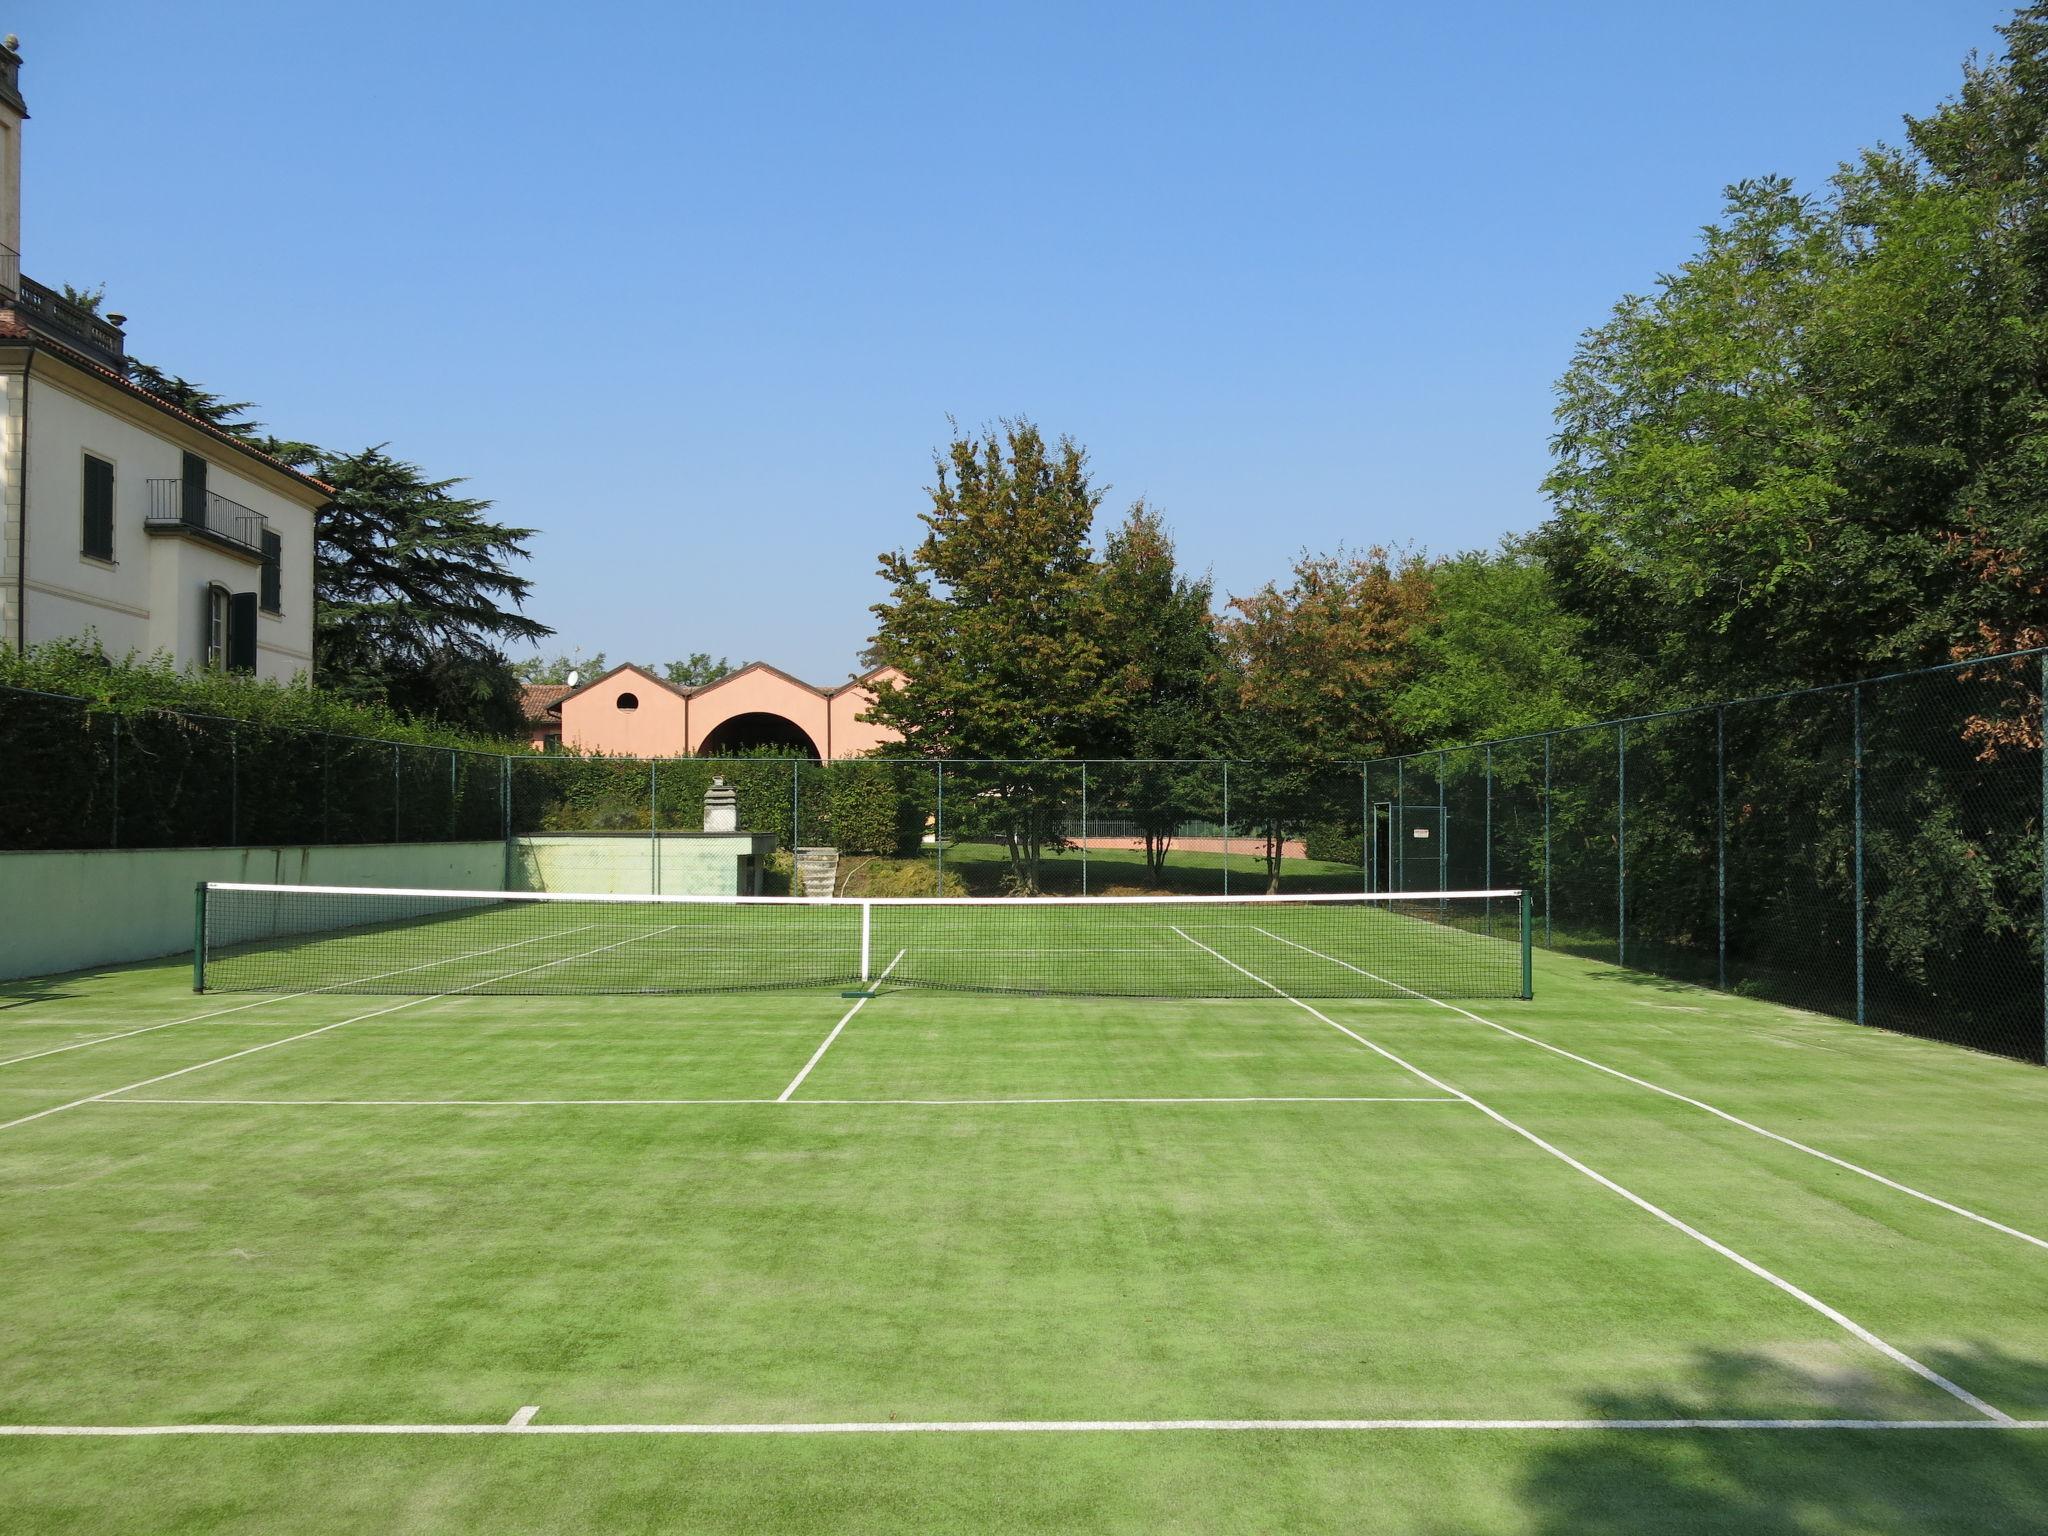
x,y
1871,850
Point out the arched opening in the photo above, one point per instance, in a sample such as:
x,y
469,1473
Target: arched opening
x,y
756,731
627,701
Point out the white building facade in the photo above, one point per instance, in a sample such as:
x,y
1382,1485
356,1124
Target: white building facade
x,y
128,521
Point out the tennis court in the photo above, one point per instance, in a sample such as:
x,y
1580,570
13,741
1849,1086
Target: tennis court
x,y
1298,1241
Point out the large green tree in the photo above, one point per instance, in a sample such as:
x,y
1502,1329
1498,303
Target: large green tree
x,y
1818,446
997,616
417,595
1317,667
1163,642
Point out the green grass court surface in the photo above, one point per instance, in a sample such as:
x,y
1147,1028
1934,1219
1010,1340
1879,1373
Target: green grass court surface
x,y
941,1262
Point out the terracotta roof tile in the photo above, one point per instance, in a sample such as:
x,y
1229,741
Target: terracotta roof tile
x,y
537,701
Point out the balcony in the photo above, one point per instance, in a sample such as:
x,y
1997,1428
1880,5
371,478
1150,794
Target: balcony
x,y
177,507
58,318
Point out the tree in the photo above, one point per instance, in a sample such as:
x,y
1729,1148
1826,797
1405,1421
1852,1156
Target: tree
x,y
87,299
997,616
556,669
214,410
416,594
695,670
1162,639
1317,666
1497,655
1817,449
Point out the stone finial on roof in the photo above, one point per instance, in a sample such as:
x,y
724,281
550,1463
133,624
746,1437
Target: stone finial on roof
x,y
721,807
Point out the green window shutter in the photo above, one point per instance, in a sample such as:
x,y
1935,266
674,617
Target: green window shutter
x,y
273,572
242,632
96,535
195,490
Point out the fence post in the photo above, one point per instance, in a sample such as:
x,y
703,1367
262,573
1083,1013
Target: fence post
x,y
1489,816
1397,825
451,794
397,793
1621,843
326,815
1365,838
1443,828
114,829
939,828
1084,828
1226,826
234,784
2042,724
653,835
795,816
1856,781
1546,839
505,813
1721,847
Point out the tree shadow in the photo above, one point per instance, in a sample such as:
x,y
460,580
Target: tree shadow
x,y
26,991
1820,1482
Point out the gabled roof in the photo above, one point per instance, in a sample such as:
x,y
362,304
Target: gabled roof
x,y
538,701
625,666
14,329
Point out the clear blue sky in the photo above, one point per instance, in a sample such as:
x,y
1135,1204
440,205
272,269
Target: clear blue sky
x,y
692,290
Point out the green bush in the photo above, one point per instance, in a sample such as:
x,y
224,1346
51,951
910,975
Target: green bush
x,y
897,877
870,808
1335,844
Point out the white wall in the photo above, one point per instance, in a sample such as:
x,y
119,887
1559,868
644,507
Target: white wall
x,y
150,596
63,911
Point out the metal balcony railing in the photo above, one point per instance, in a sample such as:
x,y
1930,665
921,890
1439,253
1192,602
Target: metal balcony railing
x,y
179,504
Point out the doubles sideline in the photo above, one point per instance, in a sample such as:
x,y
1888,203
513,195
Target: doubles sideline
x,y
1849,1325
1671,1093
269,1045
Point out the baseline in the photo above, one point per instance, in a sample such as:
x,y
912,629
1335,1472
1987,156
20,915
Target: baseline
x,y
1925,1372
844,1103
1672,1093
1032,1426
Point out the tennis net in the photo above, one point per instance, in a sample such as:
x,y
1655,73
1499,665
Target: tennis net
x,y
305,938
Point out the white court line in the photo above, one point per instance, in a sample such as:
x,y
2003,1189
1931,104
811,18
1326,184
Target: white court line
x,y
1025,1427
819,1054
1924,1372
1669,1093
844,1103
523,1417
411,1002
264,1002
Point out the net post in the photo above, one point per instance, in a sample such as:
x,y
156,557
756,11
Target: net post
x,y
1856,782
1528,946
199,937
867,941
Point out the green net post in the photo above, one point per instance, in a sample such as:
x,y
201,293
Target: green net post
x,y
1528,946
199,937
1084,829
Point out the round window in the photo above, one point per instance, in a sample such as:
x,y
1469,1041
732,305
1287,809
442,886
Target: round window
x,y
628,701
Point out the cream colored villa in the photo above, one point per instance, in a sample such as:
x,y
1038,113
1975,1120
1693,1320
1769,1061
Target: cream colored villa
x,y
629,712
126,519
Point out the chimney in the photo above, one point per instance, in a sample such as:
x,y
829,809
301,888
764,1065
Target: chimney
x,y
721,807
13,113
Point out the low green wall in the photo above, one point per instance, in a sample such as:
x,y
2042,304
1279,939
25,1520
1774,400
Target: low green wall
x,y
64,911
612,864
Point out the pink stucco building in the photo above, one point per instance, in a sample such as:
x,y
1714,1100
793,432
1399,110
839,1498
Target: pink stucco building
x,y
629,712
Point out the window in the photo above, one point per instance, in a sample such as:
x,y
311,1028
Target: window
x,y
628,701
273,572
216,631
96,533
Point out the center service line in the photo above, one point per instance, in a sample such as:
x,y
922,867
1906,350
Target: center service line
x,y
819,1054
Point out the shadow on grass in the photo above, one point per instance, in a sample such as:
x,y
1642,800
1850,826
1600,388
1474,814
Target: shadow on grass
x,y
29,990
1791,1482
